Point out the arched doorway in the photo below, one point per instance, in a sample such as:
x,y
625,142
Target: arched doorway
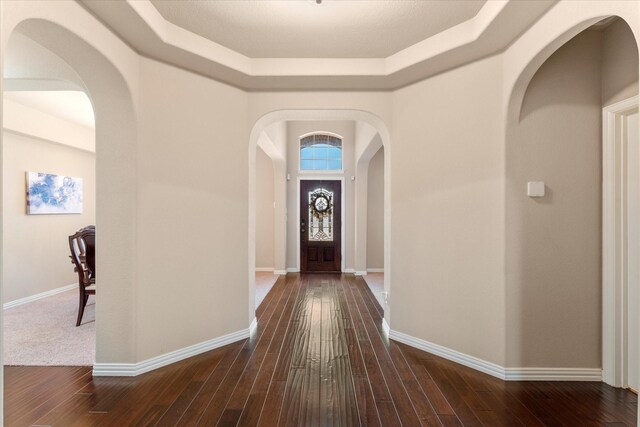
x,y
49,136
109,87
533,78
314,115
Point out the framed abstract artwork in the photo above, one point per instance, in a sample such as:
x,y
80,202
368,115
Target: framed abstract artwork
x,y
53,194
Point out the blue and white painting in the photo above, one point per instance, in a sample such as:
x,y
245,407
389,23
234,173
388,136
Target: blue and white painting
x,y
53,194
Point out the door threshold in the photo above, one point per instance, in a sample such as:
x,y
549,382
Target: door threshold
x,y
633,390
321,272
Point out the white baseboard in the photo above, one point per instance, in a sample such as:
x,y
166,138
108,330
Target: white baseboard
x,y
266,269
134,369
360,273
41,295
507,374
349,270
553,374
385,326
446,353
293,270
375,270
280,272
253,326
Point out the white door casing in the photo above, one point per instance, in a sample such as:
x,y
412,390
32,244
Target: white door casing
x,y
630,129
620,198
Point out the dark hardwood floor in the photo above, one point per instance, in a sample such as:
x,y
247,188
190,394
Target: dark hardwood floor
x,y
319,358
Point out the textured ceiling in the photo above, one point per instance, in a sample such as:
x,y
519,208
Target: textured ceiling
x,y
302,29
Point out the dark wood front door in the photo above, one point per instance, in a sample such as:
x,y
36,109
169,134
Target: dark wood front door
x,y
320,222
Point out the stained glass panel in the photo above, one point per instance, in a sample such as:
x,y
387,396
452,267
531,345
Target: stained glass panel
x,y
320,215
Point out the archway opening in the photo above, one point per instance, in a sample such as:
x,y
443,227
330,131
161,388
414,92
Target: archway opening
x,y
375,243
554,246
270,216
115,138
292,125
49,193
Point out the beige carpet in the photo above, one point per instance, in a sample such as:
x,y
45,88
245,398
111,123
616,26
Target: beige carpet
x,y
264,282
44,333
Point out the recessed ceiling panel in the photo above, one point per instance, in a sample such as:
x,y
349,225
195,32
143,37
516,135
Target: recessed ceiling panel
x,y
303,29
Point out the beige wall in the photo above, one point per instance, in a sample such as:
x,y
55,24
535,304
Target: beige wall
x,y
447,231
264,210
377,104
278,135
619,63
554,243
36,247
192,282
375,211
295,129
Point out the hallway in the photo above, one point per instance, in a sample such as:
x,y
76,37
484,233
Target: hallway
x,y
319,357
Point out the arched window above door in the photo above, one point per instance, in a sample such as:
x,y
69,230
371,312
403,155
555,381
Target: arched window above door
x,y
320,151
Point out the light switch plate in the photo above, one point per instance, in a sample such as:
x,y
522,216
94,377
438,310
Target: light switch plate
x,y
535,189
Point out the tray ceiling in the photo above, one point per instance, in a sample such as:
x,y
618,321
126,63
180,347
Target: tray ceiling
x,y
338,45
303,29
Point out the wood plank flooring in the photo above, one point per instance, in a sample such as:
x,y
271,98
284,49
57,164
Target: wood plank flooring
x,y
319,358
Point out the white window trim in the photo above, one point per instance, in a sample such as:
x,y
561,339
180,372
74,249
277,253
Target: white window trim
x,y
322,171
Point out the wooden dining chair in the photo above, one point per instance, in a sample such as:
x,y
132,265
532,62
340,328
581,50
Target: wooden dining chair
x,y
83,250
